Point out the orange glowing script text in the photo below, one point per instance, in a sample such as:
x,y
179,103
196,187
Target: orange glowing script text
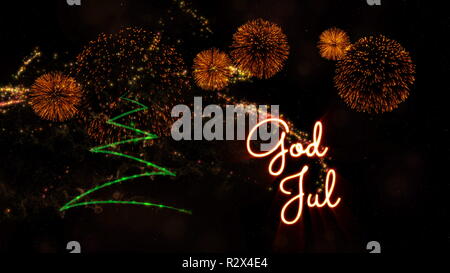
x,y
297,150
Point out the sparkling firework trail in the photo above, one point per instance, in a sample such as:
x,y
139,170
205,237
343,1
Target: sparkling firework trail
x,y
11,95
10,102
185,7
36,53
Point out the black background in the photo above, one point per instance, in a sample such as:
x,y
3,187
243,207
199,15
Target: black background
x,y
391,166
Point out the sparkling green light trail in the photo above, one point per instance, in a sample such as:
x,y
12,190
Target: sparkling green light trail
x,y
105,150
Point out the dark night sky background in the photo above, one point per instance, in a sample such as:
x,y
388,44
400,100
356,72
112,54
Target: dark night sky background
x,y
388,164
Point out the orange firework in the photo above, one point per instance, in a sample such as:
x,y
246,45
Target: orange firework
x,y
55,96
333,43
260,47
99,130
375,75
212,69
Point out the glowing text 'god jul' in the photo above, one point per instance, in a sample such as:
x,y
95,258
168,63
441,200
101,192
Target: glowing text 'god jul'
x,y
297,150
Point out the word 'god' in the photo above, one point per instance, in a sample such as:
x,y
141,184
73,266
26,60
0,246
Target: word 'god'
x,y
296,150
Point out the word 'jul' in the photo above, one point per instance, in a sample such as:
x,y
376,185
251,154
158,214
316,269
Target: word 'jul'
x,y
297,150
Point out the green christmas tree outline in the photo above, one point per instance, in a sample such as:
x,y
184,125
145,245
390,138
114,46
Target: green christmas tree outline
x,y
105,150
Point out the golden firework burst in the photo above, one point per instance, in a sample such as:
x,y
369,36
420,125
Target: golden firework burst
x,y
333,43
55,96
139,63
375,75
212,69
260,47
